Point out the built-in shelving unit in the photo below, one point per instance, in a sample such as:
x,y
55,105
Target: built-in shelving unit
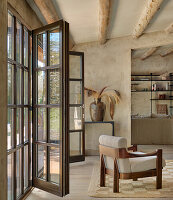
x,y
137,79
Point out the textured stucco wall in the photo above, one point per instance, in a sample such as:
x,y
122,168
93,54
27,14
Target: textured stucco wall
x,y
110,65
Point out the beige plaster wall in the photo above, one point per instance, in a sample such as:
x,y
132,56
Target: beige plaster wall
x,y
110,65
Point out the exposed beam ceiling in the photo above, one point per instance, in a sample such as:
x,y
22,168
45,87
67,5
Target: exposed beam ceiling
x,y
169,29
83,17
104,16
149,52
167,52
48,11
149,11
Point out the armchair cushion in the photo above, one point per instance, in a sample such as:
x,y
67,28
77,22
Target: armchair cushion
x,y
144,163
123,164
112,141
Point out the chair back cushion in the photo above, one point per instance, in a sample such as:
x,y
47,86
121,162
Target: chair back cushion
x,y
115,142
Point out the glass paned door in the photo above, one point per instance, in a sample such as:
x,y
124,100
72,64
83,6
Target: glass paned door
x,y
19,104
50,108
76,106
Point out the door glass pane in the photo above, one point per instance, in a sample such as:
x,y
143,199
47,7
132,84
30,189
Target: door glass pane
x,y
10,36
54,165
41,50
25,47
10,130
41,162
19,85
75,118
48,105
41,87
19,42
31,68
31,139
75,65
25,167
75,143
54,125
41,120
10,84
18,125
54,77
25,87
25,124
10,177
18,171
54,47
75,92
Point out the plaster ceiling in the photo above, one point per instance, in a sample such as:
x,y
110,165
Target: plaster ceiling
x,y
83,17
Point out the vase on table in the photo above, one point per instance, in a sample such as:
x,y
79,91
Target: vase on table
x,y
97,110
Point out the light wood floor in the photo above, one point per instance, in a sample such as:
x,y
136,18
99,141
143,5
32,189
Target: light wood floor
x,y
80,174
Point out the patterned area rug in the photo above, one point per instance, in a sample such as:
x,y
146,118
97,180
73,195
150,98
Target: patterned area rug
x,y
143,188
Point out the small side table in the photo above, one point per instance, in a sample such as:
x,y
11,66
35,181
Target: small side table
x,y
104,122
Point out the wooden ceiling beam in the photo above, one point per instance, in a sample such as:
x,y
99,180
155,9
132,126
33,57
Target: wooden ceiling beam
x,y
104,16
48,11
167,52
149,52
152,6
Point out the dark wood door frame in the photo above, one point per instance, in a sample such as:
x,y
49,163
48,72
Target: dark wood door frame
x,y
81,157
63,188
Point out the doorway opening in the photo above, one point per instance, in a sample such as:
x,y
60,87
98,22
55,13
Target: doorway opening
x,y
45,108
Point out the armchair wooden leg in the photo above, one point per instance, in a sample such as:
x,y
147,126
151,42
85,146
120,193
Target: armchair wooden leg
x,y
135,179
102,171
116,177
159,169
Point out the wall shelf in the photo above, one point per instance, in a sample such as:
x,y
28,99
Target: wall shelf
x,y
152,91
153,79
161,99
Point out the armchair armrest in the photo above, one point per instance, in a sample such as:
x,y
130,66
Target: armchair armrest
x,y
132,148
156,153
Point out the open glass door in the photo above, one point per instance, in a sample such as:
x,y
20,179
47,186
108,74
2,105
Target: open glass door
x,y
50,108
76,106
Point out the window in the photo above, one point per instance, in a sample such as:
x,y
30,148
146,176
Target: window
x,y
18,127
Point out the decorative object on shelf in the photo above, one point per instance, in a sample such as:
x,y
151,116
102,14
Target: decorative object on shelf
x,y
162,109
144,79
97,108
154,87
165,76
167,86
162,96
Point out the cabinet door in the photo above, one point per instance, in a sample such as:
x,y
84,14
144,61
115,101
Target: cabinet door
x,y
76,106
50,108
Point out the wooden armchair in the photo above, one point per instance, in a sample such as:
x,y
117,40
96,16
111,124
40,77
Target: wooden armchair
x,y
117,161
